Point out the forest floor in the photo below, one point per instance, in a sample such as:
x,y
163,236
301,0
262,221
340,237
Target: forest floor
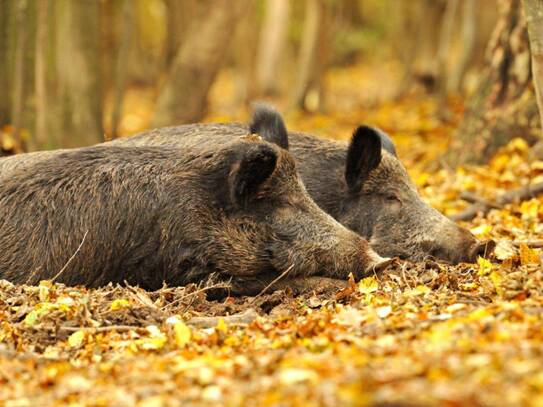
x,y
416,334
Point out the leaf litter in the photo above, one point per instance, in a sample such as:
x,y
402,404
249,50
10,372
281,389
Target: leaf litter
x,y
415,334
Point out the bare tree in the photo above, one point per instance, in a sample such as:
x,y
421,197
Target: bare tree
x,y
308,51
534,18
468,35
183,96
121,65
40,80
79,119
4,56
504,105
271,45
19,69
445,39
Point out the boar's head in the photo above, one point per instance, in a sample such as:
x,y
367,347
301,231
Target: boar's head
x,y
366,188
382,203
270,210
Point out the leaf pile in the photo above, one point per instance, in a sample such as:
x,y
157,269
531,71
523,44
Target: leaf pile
x,y
417,334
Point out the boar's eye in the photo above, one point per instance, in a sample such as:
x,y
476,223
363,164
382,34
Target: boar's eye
x,y
392,198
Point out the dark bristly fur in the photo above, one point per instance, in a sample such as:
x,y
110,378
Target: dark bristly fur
x,y
149,215
269,124
384,206
365,188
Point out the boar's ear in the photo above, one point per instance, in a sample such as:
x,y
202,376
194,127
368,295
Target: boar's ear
x,y
363,155
269,124
256,166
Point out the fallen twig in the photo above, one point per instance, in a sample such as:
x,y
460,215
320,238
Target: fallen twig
x,y
284,273
530,243
120,328
514,195
243,318
71,258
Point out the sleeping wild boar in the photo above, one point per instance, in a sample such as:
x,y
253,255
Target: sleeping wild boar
x,y
230,207
361,183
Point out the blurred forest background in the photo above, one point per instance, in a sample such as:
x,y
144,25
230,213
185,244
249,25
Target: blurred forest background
x,y
77,72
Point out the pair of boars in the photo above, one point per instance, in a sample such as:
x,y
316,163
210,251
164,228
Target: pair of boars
x,y
244,203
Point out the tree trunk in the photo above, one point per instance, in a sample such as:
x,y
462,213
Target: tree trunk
x,y
504,105
244,49
5,70
79,96
123,50
183,96
271,45
469,26
534,18
445,39
19,70
308,51
40,80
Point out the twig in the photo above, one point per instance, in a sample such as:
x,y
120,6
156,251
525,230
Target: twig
x,y
70,259
513,195
242,318
284,273
530,243
120,328
194,293
473,198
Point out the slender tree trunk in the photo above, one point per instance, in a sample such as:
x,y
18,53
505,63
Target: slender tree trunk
x,y
121,65
40,79
244,49
308,51
271,45
534,18
445,39
19,69
183,96
180,14
468,45
5,71
504,105
78,74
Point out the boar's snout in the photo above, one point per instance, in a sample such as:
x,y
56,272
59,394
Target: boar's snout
x,y
457,245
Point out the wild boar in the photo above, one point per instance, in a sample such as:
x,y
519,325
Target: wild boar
x,y
230,207
361,183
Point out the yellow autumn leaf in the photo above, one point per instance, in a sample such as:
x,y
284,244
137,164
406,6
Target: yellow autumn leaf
x,y
368,285
497,279
383,312
156,340
76,339
528,256
485,266
221,326
295,375
182,334
119,303
44,290
530,209
482,231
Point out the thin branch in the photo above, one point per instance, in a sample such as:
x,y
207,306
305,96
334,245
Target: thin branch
x,y
70,259
284,273
514,195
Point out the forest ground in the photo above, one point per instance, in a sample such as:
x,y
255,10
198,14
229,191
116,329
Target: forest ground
x,y
417,334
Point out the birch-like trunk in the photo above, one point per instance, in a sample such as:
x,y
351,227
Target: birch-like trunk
x,y
183,96
533,10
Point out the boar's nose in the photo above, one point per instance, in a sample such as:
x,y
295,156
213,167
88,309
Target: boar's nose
x,y
483,249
